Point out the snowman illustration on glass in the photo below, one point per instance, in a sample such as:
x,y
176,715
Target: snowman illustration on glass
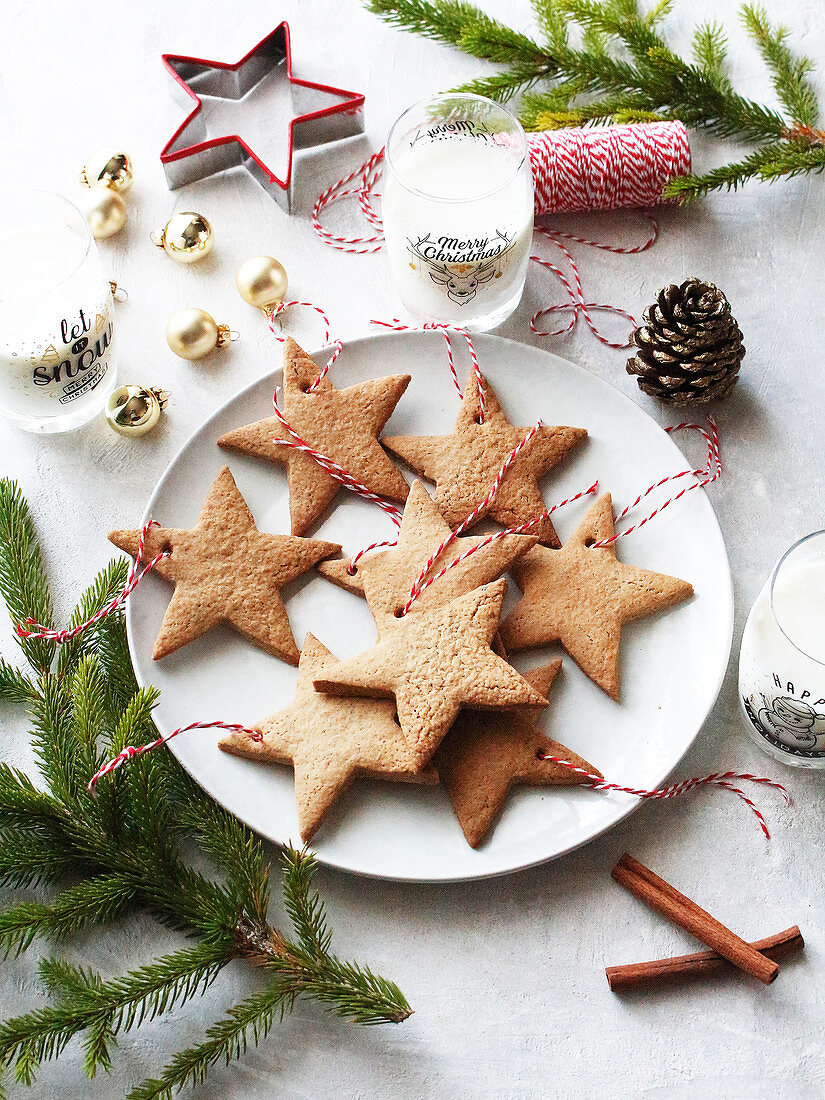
x,y
782,659
792,721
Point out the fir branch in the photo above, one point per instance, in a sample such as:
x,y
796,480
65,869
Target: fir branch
x,y
54,742
97,900
504,85
226,1041
463,25
710,47
118,1005
121,851
23,582
789,74
624,71
108,584
304,906
31,854
771,162
15,686
21,802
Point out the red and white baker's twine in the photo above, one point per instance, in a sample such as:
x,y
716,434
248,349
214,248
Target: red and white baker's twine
x,y
338,347
422,581
716,779
138,750
438,326
30,628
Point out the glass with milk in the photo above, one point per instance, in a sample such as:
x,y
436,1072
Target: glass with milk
x,y
782,661
458,210
56,315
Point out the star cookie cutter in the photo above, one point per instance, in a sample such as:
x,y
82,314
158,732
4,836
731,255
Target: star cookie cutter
x,y
190,154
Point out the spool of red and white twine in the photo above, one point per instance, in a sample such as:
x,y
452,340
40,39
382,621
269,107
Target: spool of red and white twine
x,y
574,171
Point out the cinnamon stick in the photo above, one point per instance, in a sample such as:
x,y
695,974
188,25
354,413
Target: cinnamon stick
x,y
622,979
665,899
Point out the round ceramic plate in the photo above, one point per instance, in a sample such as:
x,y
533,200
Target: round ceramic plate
x,y
672,665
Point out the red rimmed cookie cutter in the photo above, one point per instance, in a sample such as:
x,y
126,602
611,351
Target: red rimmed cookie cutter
x,y
190,154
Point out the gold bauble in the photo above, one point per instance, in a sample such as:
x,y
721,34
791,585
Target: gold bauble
x,y
135,410
186,237
262,282
108,168
193,333
104,210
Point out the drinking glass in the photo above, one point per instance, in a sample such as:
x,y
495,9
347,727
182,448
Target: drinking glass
x,y
57,321
458,210
782,660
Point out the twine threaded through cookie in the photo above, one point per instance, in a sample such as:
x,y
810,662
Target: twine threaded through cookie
x,y
437,326
30,628
716,779
338,346
711,472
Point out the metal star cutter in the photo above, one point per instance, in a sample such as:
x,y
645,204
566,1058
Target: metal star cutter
x,y
319,114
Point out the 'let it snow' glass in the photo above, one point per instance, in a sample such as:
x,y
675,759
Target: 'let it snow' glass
x,y
56,315
458,210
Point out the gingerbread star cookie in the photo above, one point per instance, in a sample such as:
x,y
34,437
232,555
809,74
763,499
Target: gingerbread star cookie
x,y
487,753
385,577
464,465
343,425
433,663
329,741
581,596
225,570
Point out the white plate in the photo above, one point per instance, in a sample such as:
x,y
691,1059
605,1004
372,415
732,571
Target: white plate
x,y
672,664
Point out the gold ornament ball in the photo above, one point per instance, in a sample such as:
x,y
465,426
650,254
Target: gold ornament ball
x,y
105,211
192,333
135,410
187,237
108,168
262,282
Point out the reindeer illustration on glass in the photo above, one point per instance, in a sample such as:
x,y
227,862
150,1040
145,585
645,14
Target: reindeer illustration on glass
x,y
458,210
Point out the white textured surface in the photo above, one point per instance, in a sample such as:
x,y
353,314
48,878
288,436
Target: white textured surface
x,y
505,976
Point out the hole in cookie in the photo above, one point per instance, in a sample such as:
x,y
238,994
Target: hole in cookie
x,y
478,418
399,612
540,755
589,542
351,570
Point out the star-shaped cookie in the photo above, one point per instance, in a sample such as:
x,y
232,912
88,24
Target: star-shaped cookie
x,y
225,570
581,595
464,465
329,741
487,753
343,425
385,577
433,663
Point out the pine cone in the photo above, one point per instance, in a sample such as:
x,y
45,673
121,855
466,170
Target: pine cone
x,y
689,347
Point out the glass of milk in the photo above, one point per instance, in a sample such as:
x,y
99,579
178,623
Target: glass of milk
x,y
782,660
458,210
57,323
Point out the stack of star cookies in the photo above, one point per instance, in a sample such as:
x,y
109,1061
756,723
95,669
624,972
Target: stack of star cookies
x,y
435,696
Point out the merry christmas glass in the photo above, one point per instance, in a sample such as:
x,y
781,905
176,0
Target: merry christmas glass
x,y
782,660
56,315
458,210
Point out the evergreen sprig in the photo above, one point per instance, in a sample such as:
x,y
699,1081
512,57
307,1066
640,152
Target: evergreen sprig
x,y
605,61
124,850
